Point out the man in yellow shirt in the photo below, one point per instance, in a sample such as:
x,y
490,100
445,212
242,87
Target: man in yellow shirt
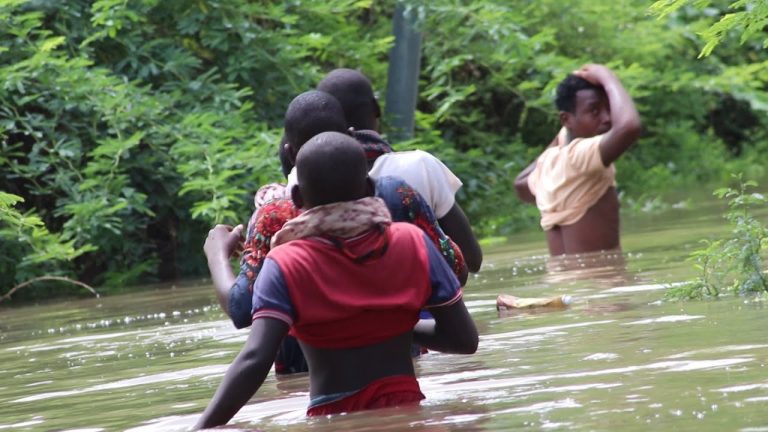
x,y
573,181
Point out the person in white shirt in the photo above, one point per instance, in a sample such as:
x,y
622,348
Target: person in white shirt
x,y
421,170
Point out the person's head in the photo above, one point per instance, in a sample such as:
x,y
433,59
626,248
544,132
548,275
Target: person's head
x,y
355,93
583,107
309,114
331,167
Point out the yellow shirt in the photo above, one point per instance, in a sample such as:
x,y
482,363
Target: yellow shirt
x,y
568,179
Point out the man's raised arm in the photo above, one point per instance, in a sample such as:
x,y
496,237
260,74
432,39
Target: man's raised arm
x,y
625,120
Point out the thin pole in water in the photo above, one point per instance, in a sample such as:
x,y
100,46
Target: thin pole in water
x,y
403,73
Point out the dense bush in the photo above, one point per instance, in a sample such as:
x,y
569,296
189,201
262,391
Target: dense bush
x,y
734,263
129,127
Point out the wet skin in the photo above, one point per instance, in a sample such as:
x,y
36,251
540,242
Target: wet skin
x,y
597,230
609,111
343,370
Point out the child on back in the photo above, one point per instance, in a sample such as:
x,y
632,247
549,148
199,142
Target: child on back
x,y
308,114
355,324
422,171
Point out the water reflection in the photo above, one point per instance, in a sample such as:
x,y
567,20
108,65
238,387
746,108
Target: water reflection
x,y
603,269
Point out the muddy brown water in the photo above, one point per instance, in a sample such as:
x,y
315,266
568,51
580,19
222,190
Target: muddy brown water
x,y
618,358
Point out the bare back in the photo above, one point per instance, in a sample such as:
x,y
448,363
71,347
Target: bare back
x,y
350,369
597,230
593,103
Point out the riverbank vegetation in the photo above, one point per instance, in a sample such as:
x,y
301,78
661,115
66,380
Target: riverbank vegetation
x,y
128,128
732,265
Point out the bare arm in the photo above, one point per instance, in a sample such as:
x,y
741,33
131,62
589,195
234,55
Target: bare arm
x,y
222,242
452,330
456,226
625,120
521,181
521,185
247,372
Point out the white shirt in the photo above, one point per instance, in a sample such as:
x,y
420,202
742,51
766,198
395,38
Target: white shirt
x,y
425,173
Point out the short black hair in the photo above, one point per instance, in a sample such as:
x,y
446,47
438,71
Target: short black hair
x,y
310,113
355,93
565,96
331,167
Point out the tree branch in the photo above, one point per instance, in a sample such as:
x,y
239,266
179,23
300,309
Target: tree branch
x,y
8,295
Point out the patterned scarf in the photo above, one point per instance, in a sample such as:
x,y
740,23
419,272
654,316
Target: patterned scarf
x,y
373,144
342,220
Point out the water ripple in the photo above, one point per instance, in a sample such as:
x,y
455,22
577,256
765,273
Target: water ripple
x,y
148,379
666,319
543,407
541,330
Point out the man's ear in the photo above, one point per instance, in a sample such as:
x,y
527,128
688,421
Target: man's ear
x,y
377,115
298,200
376,108
565,119
370,188
289,153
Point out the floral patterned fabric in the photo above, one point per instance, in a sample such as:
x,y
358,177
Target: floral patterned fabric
x,y
373,144
407,205
273,208
269,193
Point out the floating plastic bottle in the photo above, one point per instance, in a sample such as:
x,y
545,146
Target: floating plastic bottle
x,y
505,301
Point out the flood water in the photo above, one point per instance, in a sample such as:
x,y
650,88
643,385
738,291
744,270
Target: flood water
x,y
617,359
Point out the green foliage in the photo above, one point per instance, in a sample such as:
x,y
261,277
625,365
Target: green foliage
x,y
490,68
130,127
734,263
748,16
27,247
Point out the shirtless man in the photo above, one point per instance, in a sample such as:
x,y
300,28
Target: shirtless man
x,y
573,181
354,324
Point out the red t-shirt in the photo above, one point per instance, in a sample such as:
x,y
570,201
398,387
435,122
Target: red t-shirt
x,y
332,300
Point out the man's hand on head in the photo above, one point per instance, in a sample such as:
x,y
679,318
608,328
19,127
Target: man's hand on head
x,y
595,73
